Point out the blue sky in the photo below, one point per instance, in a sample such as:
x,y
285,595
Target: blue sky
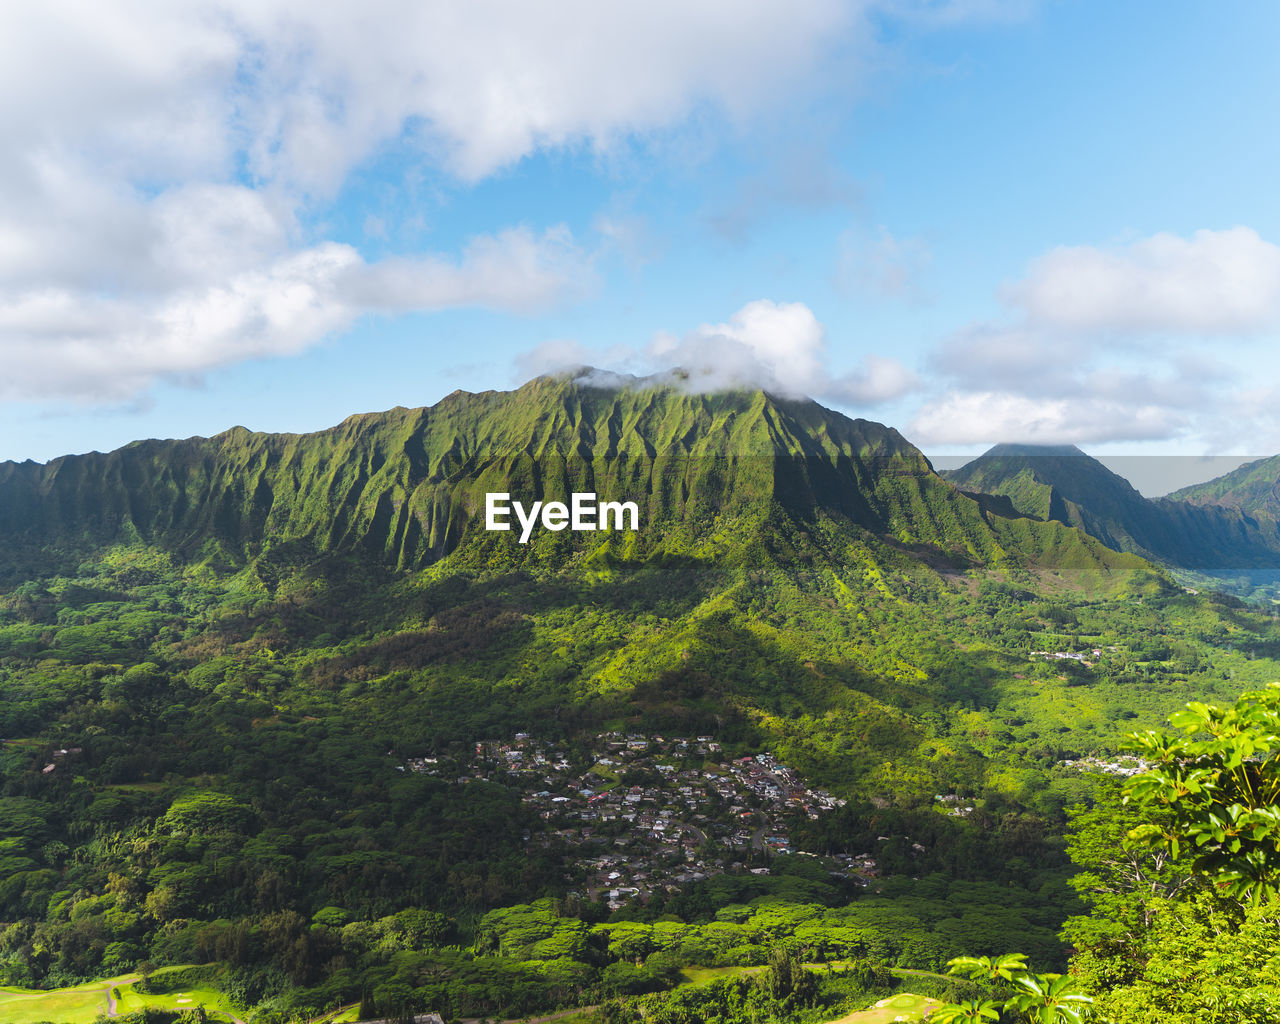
x,y
974,220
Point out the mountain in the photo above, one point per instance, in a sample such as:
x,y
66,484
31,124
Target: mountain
x,y
790,567
408,486
1063,484
1253,488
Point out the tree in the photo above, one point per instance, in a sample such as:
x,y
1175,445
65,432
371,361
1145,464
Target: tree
x,y
1209,804
1204,961
1122,881
1220,795
787,979
1037,998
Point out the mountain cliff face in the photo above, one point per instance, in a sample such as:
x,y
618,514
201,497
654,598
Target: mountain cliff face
x,y
1211,528
408,486
1253,489
1062,483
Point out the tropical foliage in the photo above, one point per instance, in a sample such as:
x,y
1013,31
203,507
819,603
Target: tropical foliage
x,y
1037,998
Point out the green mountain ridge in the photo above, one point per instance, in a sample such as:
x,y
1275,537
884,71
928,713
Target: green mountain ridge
x,y
1253,488
1184,530
408,486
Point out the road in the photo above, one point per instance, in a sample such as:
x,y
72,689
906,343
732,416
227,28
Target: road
x,y
111,995
699,835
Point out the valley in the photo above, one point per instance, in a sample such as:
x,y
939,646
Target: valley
x,y
645,814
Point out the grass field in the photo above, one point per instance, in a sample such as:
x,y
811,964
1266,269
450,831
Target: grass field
x,y
80,1004
77,1005
701,975
905,1006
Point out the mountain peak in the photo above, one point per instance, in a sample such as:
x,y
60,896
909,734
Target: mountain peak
x,y
1006,449
1060,482
407,482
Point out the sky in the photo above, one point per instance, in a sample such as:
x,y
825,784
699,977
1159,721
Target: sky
x,y
974,220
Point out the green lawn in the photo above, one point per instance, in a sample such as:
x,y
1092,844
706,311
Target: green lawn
x,y
905,1006
77,1005
188,998
80,1004
701,975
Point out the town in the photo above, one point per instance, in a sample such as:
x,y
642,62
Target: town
x,y
648,814
1079,656
1126,766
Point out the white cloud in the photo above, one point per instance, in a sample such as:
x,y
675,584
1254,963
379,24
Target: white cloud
x,y
987,355
984,417
778,346
1216,282
59,342
163,160
206,274
1100,345
553,356
170,161
513,270
560,354
1248,419
877,380
306,91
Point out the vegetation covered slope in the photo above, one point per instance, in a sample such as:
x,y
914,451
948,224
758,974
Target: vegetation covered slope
x,y
408,486
1253,488
1066,485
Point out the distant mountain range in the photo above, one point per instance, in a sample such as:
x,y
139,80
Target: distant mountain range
x,y
1225,526
408,486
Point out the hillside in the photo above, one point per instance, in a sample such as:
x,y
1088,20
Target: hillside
x,y
1185,530
1253,488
